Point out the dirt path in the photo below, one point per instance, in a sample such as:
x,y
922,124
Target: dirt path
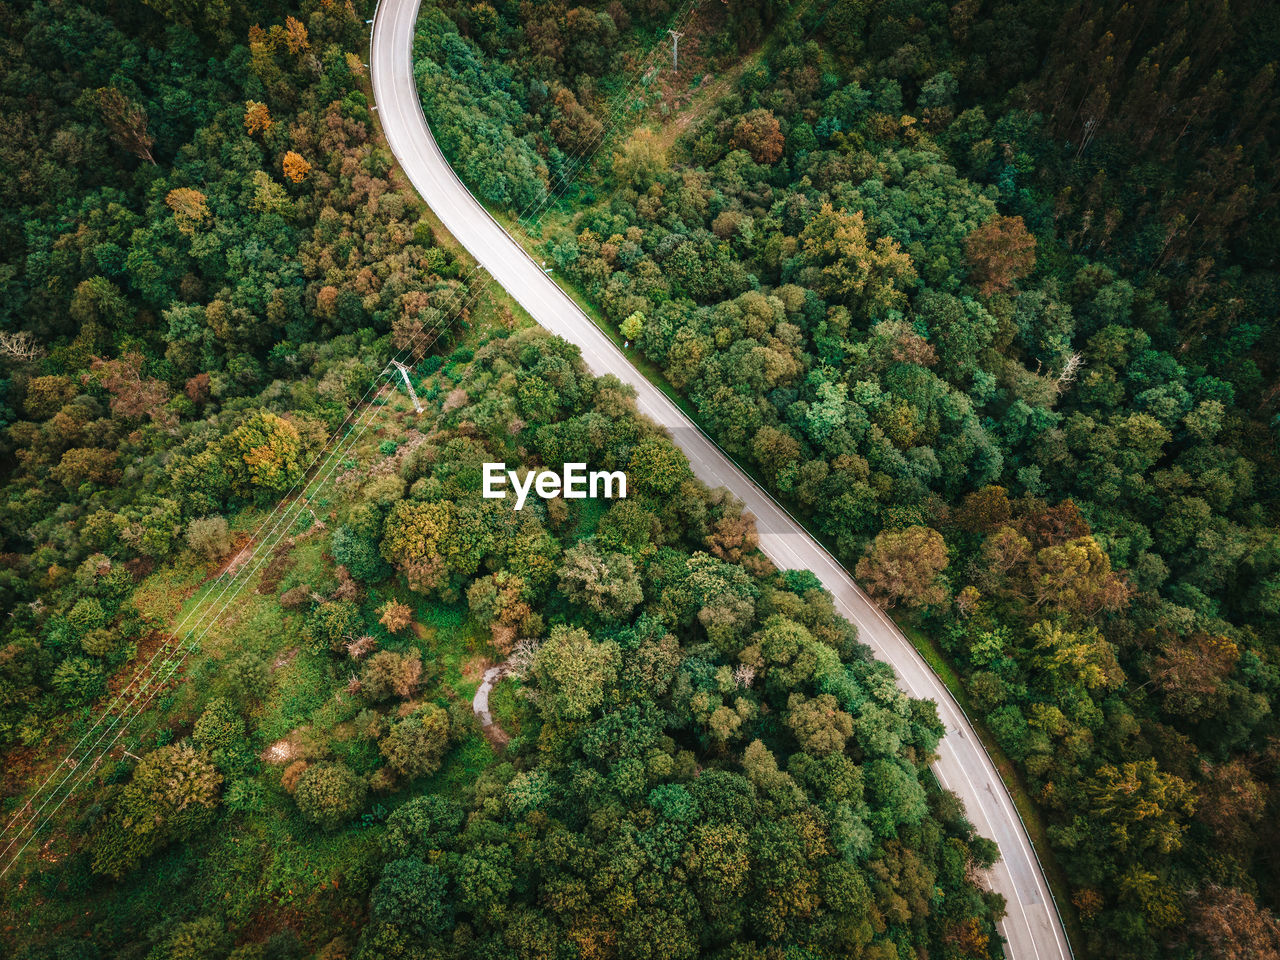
x,y
480,706
701,100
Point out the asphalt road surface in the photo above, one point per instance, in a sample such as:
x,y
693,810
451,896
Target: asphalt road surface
x,y
1032,928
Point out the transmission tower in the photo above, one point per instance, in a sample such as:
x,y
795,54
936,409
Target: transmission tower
x,y
404,373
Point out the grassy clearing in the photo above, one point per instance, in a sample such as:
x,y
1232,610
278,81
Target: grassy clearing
x,y
263,864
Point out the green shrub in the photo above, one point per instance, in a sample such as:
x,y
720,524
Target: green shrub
x,y
416,745
329,794
331,624
202,939
86,615
78,680
249,678
209,537
220,726
172,796
359,554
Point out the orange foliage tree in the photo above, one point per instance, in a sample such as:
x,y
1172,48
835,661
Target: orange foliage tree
x,y
296,167
760,134
257,117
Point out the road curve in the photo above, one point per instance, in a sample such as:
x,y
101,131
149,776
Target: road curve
x,y
1032,928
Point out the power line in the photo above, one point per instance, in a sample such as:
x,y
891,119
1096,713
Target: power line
x,y
74,769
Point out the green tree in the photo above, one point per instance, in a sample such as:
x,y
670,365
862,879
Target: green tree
x,y
818,723
328,794
414,896
572,671
209,537
656,467
330,625
220,726
416,745
1076,577
1138,808
171,797
605,583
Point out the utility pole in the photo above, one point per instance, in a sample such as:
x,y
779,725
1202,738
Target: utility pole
x,y
404,372
675,49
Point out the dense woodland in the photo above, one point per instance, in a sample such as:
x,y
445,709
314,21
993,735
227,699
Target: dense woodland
x,y
207,260
988,293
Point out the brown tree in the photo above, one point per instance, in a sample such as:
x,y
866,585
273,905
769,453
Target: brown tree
x,y
132,394
732,536
760,134
388,674
1190,672
1000,251
984,510
396,616
905,566
127,122
1228,924
361,646
1050,526
1232,802
87,465
409,333
574,128
197,388
498,601
295,35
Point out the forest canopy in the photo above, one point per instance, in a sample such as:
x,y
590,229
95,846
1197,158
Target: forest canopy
x,y
209,258
987,294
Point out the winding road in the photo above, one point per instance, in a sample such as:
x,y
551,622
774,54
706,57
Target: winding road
x,y
1032,928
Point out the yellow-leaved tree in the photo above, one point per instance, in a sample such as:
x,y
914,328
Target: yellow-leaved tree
x,y
295,166
263,456
844,264
189,208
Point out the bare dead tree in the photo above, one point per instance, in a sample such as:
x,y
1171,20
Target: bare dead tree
x,y
1069,372
20,346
